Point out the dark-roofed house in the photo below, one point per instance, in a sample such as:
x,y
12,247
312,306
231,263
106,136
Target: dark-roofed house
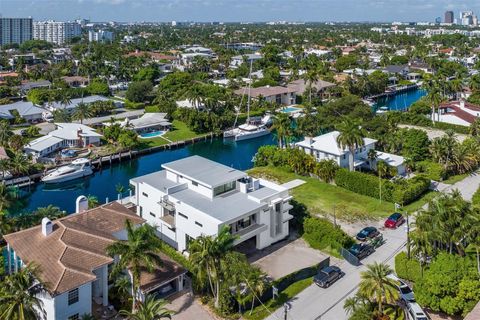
x,y
195,196
402,70
275,94
71,255
29,85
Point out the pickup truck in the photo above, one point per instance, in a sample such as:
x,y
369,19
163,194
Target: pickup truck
x,y
327,276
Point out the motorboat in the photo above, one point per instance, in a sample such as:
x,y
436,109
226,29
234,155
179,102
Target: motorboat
x,y
254,127
382,110
79,168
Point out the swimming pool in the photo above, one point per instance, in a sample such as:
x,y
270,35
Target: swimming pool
x,y
151,134
290,110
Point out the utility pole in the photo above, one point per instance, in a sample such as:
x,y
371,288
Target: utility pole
x,y
408,236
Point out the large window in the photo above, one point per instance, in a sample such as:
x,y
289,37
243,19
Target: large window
x,y
224,188
73,296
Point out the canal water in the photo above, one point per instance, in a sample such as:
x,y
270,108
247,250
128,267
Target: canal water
x,y
402,101
103,183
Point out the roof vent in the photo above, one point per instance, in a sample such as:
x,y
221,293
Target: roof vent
x,y
81,204
47,226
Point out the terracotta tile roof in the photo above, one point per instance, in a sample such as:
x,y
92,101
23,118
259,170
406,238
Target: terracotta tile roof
x,y
170,270
75,248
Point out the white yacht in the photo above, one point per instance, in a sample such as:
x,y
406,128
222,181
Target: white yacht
x,y
77,169
382,110
254,127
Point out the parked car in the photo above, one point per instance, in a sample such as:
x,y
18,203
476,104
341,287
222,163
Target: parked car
x,y
327,276
394,221
415,312
406,293
367,234
361,250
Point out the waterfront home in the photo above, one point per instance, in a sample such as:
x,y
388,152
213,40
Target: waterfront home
x,y
275,94
71,255
401,70
29,85
320,88
150,122
76,81
458,112
326,147
195,196
66,135
26,109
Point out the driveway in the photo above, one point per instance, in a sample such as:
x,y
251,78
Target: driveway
x,y
285,258
186,307
327,304
433,133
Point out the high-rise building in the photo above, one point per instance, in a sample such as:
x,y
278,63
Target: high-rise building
x,y
100,36
55,31
449,17
15,30
466,18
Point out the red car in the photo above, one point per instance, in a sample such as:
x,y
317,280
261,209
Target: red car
x,y
394,221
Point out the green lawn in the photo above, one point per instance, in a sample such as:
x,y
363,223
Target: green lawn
x,y
456,178
178,132
263,311
320,197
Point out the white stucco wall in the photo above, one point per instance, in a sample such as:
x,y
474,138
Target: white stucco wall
x,y
57,308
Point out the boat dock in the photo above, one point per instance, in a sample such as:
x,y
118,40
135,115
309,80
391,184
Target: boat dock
x,y
393,92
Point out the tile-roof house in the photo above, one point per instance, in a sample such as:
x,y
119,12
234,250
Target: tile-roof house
x,y
274,94
71,255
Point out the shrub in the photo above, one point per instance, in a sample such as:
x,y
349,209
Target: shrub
x,y
476,198
133,105
431,170
321,234
407,269
407,191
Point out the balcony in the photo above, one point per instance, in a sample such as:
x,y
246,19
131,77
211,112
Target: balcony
x,y
169,220
249,232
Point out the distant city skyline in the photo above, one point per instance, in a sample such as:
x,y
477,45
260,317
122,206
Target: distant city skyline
x,y
235,10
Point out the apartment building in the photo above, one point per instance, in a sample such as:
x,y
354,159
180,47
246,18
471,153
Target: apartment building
x,y
15,30
56,31
100,36
195,196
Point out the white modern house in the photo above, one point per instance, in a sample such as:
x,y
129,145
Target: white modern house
x,y
326,147
66,135
73,263
240,59
195,196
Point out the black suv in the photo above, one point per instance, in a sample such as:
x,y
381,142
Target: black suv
x,y
327,276
361,250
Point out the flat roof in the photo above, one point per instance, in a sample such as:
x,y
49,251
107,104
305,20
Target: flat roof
x,y
157,180
224,208
204,171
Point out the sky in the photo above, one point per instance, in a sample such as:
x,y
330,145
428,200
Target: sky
x,y
236,10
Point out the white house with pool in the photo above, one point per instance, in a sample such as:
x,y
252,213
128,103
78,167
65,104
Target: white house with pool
x,y
326,147
150,125
195,196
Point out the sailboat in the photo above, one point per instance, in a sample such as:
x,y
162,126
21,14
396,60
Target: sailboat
x,y
254,127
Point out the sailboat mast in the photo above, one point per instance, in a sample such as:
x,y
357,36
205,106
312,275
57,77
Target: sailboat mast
x,y
249,90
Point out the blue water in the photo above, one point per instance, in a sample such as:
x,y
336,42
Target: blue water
x,y
290,110
400,101
102,184
151,134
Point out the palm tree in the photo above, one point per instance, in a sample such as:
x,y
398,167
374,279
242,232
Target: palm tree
x,y
434,97
19,295
19,164
92,201
7,197
371,156
475,128
138,253
151,309
257,285
65,99
5,133
352,137
82,112
377,286
62,116
206,254
282,125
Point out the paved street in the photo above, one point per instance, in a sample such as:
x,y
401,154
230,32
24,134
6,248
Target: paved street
x,y
327,304
467,186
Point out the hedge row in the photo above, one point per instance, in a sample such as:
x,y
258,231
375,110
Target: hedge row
x,y
424,121
322,234
407,269
476,198
401,191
